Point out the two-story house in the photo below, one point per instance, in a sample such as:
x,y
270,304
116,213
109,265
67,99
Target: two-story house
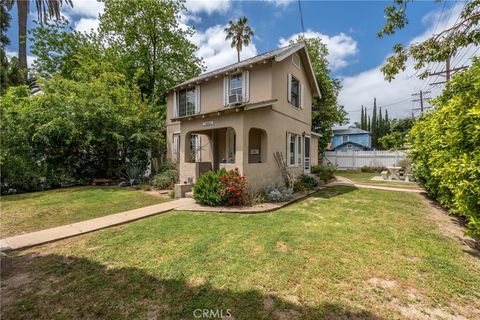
x,y
240,115
351,139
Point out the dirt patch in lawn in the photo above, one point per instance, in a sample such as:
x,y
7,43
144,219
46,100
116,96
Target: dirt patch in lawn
x,y
452,226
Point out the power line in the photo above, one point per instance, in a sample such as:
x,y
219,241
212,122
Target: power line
x,y
301,18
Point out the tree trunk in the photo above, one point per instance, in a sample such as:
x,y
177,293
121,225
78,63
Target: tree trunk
x,y
238,55
22,7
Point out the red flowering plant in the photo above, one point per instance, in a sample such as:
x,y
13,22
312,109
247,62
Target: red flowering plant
x,y
232,188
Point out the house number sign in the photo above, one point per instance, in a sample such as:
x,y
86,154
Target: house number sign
x,y
208,123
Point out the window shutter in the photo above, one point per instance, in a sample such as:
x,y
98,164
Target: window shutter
x,y
225,91
287,156
246,86
289,88
301,95
175,106
197,99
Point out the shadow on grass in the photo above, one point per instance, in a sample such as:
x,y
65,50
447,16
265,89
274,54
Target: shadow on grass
x,y
55,286
333,191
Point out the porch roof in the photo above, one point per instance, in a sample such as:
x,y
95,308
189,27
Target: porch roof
x,y
239,108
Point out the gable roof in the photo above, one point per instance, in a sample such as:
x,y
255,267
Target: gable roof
x,y
340,131
354,144
278,55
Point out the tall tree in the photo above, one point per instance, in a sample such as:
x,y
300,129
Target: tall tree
x,y
362,124
374,124
149,44
369,125
10,74
240,34
46,9
380,123
438,48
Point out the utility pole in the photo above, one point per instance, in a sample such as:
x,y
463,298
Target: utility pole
x,y
420,99
447,73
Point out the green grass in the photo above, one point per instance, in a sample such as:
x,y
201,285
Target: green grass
x,y
40,210
342,253
366,177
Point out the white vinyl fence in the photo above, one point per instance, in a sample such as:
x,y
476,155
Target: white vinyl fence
x,y
358,159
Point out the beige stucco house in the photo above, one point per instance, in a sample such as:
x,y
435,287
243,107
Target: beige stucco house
x,y
240,115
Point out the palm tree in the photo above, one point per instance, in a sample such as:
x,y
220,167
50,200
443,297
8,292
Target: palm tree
x,y
46,9
240,33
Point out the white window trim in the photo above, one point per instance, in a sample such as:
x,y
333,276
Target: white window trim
x,y
298,150
176,102
176,147
300,92
245,86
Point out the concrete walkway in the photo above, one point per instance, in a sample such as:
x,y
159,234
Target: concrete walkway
x,y
74,229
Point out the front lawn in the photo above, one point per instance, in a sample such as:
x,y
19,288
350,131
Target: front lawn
x,y
366,178
40,210
342,253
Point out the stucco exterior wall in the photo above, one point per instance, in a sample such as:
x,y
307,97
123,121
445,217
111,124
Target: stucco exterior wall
x,y
267,81
280,71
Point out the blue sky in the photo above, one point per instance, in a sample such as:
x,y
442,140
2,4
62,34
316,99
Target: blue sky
x,y
347,27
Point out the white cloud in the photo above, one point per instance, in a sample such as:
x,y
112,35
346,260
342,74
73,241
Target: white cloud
x,y
84,8
340,47
84,14
362,88
87,25
216,51
281,3
208,6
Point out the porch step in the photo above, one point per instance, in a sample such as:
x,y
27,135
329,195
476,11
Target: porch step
x,y
189,194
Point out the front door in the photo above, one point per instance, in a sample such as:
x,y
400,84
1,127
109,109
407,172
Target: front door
x,y
306,154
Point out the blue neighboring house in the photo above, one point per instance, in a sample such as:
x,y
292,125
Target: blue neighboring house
x,y
351,139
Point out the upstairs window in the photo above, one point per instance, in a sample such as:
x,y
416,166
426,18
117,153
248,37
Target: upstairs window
x,y
236,84
344,139
187,102
295,92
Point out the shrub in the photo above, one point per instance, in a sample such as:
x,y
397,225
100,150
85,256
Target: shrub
x,y
165,179
233,188
304,182
166,166
445,147
325,173
257,198
82,129
206,188
278,193
367,169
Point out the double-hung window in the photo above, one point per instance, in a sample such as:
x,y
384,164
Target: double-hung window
x,y
295,92
186,102
236,84
294,149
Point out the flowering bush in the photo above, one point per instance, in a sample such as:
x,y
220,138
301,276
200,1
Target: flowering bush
x,y
220,188
232,188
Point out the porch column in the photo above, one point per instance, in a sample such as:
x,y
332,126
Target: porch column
x,y
241,152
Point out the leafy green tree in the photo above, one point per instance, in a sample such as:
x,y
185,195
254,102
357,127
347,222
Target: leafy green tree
x,y
362,120
374,124
240,33
91,126
62,51
150,45
46,9
445,147
437,48
326,110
